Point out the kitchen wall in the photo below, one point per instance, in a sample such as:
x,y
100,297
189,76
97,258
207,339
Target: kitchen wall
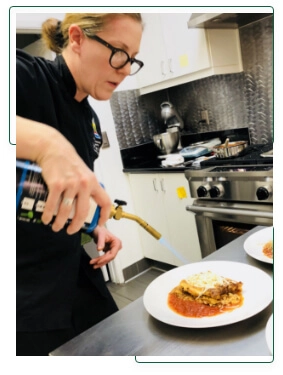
x,y
233,101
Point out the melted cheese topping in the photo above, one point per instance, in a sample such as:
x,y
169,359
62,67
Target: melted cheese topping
x,y
208,280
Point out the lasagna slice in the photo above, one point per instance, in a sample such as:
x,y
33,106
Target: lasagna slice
x,y
210,289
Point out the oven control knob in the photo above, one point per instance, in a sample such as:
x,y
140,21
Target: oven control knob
x,y
202,191
216,191
262,193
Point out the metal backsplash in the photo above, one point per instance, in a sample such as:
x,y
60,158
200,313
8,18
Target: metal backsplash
x,y
232,100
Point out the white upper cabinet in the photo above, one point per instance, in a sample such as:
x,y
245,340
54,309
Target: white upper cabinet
x,y
174,54
152,51
169,49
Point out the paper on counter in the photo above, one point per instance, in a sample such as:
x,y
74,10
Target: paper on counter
x,y
173,160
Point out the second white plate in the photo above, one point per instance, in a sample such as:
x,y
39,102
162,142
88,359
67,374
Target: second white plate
x,y
255,242
269,333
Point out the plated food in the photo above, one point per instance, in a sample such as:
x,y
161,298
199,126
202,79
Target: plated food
x,y
205,294
267,249
249,281
259,245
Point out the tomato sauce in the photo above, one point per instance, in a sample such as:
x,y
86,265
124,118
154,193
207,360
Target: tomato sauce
x,y
194,309
268,249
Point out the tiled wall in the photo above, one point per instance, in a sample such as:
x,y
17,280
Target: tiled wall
x,y
233,100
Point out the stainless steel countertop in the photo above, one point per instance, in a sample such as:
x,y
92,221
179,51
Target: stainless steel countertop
x,y
133,332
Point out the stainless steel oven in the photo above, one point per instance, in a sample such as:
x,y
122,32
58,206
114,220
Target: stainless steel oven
x,y
219,223
231,198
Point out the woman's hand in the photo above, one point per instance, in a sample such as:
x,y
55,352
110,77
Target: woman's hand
x,y
67,177
106,242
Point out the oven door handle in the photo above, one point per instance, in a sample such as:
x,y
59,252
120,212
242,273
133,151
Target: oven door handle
x,y
228,211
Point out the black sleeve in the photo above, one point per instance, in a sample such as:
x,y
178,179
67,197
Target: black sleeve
x,y
27,89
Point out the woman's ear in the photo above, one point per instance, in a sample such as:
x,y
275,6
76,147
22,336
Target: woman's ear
x,y
76,36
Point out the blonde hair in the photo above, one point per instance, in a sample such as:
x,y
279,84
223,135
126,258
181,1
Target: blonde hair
x,y
55,33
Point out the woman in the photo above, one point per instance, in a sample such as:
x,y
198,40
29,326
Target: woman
x,y
60,290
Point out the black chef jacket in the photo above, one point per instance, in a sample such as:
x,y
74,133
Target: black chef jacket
x,y
48,263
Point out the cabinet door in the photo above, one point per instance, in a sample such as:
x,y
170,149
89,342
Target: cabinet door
x,y
148,198
175,54
182,231
157,201
152,51
186,49
169,49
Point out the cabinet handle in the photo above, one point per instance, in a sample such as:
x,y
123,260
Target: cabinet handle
x,y
162,65
170,66
154,184
162,185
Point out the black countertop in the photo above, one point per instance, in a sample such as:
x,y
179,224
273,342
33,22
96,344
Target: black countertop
x,y
144,158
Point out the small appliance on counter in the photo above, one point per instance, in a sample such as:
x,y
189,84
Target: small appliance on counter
x,y
172,119
167,142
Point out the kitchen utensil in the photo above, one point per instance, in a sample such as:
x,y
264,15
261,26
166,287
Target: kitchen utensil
x,y
230,149
192,152
167,142
268,154
32,193
200,148
170,116
175,160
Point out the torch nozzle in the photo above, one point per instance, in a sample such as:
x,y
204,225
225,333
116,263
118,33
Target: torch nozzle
x,y
117,213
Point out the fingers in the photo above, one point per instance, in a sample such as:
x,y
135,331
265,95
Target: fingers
x,y
107,242
68,208
103,259
76,208
78,217
51,206
71,185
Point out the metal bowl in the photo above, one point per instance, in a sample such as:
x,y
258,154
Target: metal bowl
x,y
167,142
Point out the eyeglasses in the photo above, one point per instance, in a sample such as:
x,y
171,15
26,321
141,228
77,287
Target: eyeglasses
x,y
119,58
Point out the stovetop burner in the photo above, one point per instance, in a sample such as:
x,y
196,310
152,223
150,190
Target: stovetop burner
x,y
251,156
243,168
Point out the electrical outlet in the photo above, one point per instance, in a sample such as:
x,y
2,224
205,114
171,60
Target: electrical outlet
x,y
105,140
204,116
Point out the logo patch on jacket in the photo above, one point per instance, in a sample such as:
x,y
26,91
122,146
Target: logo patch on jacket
x,y
97,139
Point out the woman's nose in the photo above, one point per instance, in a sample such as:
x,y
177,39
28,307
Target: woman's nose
x,y
126,70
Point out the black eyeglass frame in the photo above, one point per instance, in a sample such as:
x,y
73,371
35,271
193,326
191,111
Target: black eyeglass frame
x,y
114,50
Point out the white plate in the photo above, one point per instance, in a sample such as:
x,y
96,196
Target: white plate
x,y
253,279
269,334
255,242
